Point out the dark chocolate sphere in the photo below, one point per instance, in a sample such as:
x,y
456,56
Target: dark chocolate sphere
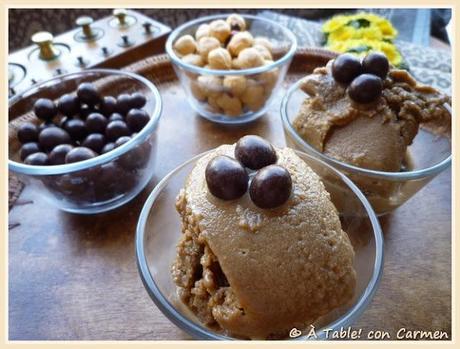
x,y
37,159
87,94
137,119
53,136
138,100
123,103
345,68
76,128
108,147
122,140
94,141
68,105
376,63
79,154
116,116
27,132
29,148
255,152
58,154
108,105
365,88
271,187
45,109
96,123
226,178
116,129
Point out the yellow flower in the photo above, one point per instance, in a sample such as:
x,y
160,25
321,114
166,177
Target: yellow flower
x,y
387,30
392,53
335,23
341,34
369,33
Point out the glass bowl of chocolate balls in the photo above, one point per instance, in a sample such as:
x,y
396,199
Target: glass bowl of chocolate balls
x,y
390,134
230,66
86,139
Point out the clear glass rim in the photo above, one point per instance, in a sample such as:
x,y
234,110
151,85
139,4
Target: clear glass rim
x,y
392,176
204,71
201,332
100,159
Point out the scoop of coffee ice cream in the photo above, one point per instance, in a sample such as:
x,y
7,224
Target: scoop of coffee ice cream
x,y
373,135
257,273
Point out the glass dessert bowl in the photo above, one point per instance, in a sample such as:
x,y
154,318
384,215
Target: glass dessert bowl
x,y
159,235
100,183
221,89
367,149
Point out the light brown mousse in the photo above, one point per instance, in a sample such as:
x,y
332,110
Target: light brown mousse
x,y
255,273
374,135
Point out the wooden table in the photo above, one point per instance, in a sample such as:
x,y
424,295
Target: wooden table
x,y
75,277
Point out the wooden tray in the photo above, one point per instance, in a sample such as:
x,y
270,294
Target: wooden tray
x,y
75,277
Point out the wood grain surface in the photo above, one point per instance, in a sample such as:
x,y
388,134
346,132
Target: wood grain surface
x,y
75,277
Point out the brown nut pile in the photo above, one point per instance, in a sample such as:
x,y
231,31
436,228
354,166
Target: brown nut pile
x,y
228,45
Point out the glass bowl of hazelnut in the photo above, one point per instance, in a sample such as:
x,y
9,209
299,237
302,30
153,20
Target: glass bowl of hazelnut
x,y
86,140
231,66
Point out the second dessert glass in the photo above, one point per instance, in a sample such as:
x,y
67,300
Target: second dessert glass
x,y
429,155
159,230
266,78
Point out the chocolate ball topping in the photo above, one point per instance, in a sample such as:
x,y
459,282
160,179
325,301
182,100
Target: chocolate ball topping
x,y
226,178
376,63
255,152
365,88
271,187
345,68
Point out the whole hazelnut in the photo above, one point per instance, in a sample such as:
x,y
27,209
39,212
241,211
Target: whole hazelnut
x,y
213,106
219,58
193,59
231,106
210,85
220,30
197,91
254,95
264,52
239,42
236,22
260,40
202,31
268,78
235,84
249,58
205,45
185,45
